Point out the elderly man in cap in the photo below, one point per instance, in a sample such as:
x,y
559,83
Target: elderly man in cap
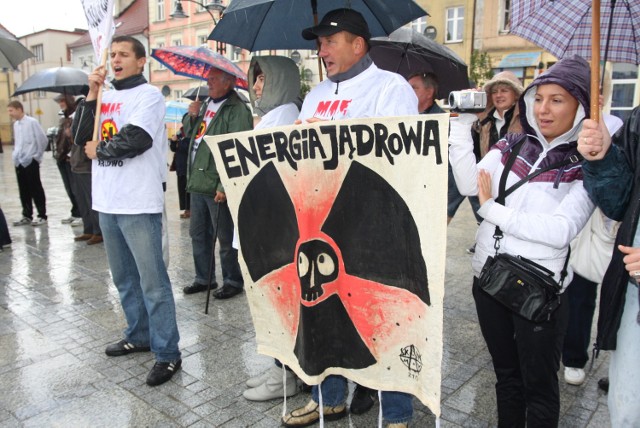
x,y
360,89
222,113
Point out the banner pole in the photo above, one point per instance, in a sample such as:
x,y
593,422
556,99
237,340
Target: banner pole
x,y
96,123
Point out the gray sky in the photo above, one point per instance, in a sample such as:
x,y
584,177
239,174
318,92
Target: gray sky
x,y
23,17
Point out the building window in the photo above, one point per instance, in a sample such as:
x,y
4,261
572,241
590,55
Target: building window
x,y
38,51
178,93
160,10
505,15
176,42
419,24
455,24
624,95
202,40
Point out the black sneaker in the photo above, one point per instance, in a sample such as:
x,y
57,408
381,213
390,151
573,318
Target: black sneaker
x,y
123,348
162,372
197,288
603,384
471,249
363,399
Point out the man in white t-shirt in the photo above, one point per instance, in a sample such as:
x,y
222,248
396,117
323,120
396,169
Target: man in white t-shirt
x,y
355,88
129,169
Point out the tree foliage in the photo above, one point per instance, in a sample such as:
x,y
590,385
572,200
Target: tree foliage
x,y
480,68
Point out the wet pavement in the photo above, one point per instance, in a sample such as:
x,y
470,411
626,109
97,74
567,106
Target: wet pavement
x,y
59,309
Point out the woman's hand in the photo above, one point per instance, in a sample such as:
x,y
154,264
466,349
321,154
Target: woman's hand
x,y
631,261
484,186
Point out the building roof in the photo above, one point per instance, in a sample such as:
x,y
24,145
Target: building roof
x,y
133,20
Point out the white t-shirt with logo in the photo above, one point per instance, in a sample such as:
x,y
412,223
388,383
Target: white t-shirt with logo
x,y
372,93
132,186
212,109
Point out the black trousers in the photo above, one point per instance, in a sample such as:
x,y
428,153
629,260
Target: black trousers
x,y
581,295
5,239
65,172
526,359
30,188
183,196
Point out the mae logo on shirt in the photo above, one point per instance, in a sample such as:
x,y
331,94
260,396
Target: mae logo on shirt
x,y
208,115
332,110
109,129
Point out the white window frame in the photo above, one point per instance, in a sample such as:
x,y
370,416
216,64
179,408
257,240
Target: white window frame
x,y
505,16
419,24
159,10
631,81
38,52
457,25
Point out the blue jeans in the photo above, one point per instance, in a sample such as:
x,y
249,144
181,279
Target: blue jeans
x,y
397,407
201,229
134,250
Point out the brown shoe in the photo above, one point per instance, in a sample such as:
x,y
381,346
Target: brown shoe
x,y
83,237
95,239
186,214
310,414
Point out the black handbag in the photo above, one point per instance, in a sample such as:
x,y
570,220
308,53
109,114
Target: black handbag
x,y
523,286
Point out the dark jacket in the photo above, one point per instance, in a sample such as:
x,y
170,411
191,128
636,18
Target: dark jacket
x,y
202,174
181,146
488,125
614,185
64,139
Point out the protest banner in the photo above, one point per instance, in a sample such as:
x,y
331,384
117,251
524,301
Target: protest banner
x,y
342,231
99,14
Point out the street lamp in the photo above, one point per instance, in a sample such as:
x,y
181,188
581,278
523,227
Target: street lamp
x,y
208,6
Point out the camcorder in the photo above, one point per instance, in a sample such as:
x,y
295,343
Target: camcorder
x,y
467,101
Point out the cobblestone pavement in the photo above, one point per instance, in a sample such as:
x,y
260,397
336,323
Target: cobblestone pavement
x,y
59,309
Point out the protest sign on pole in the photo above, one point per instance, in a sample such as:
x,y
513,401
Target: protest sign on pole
x,y
342,231
99,14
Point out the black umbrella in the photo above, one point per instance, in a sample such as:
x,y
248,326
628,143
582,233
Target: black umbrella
x,y
65,80
277,24
202,93
406,52
12,52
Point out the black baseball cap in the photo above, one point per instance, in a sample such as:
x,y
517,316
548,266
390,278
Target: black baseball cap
x,y
339,20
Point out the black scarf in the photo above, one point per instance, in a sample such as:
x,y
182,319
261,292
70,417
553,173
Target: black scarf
x,y
129,82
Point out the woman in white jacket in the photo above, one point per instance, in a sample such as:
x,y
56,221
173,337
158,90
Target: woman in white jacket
x,y
538,221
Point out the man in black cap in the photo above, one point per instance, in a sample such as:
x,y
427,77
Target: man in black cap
x,y
355,88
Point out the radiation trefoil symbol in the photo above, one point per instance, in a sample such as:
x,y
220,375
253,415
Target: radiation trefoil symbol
x,y
334,275
108,129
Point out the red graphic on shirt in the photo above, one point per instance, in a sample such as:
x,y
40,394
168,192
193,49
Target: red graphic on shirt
x,y
208,116
110,108
329,109
108,129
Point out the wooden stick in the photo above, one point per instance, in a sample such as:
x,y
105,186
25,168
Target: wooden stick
x,y
96,123
595,60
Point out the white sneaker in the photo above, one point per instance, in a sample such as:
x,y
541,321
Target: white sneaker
x,y
77,222
24,221
38,221
256,381
273,387
574,376
68,220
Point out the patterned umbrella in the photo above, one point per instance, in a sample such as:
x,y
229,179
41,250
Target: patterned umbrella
x,y
563,27
196,62
568,27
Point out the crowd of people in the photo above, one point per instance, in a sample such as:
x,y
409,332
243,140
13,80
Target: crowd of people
x,y
532,163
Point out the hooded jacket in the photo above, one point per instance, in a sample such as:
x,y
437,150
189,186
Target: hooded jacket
x,y
539,219
614,185
280,92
